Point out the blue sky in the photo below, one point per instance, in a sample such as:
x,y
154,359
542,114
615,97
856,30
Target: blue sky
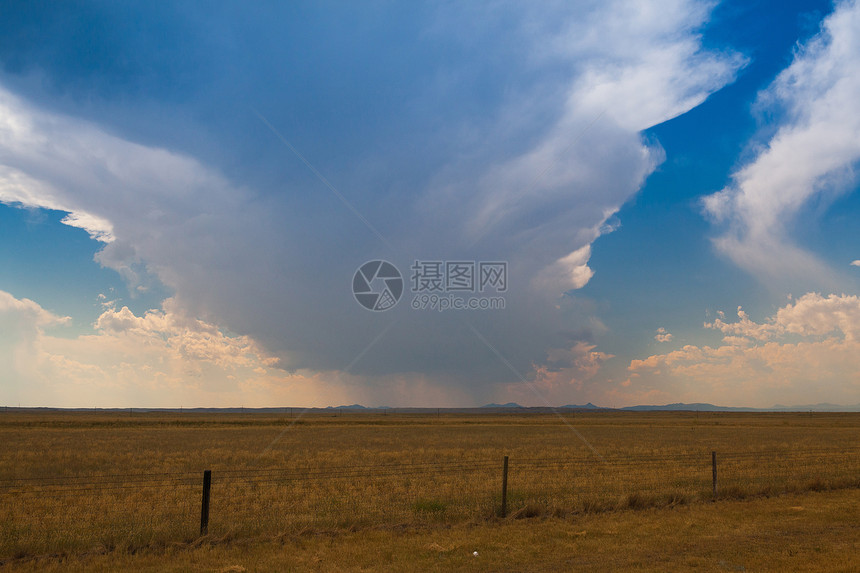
x,y
187,191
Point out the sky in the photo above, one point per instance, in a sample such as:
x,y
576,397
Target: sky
x,y
211,204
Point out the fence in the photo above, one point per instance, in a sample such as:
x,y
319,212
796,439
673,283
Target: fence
x,y
67,513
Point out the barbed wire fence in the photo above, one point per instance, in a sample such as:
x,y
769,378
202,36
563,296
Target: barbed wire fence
x,y
55,514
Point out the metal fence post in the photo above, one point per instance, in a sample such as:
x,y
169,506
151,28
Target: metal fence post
x,y
505,488
204,508
714,468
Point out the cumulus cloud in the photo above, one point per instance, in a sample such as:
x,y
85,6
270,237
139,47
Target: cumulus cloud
x,y
663,335
814,315
745,327
165,358
812,156
855,263
38,316
566,375
567,273
157,359
807,352
268,251
191,339
810,315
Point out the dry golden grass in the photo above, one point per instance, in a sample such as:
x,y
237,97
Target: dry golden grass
x,y
74,483
810,532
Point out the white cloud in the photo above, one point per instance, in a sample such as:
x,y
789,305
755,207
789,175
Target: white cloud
x,y
34,313
273,263
814,315
809,315
813,154
567,273
567,376
191,339
663,335
855,263
166,359
646,61
806,353
18,188
745,327
160,359
110,187
635,65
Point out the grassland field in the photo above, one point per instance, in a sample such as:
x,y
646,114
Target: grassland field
x,y
364,491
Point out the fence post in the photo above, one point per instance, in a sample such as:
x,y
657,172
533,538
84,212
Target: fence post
x,y
714,469
204,508
505,488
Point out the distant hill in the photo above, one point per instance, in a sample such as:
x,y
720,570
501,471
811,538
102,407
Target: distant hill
x,y
824,407
676,407
704,407
698,407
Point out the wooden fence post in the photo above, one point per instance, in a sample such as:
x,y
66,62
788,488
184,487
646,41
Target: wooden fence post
x,y
204,508
505,488
714,469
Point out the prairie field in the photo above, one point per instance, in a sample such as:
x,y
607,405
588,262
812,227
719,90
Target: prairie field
x,y
111,489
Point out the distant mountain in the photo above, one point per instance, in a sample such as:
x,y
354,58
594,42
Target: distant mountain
x,y
704,407
823,407
697,407
588,406
677,407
